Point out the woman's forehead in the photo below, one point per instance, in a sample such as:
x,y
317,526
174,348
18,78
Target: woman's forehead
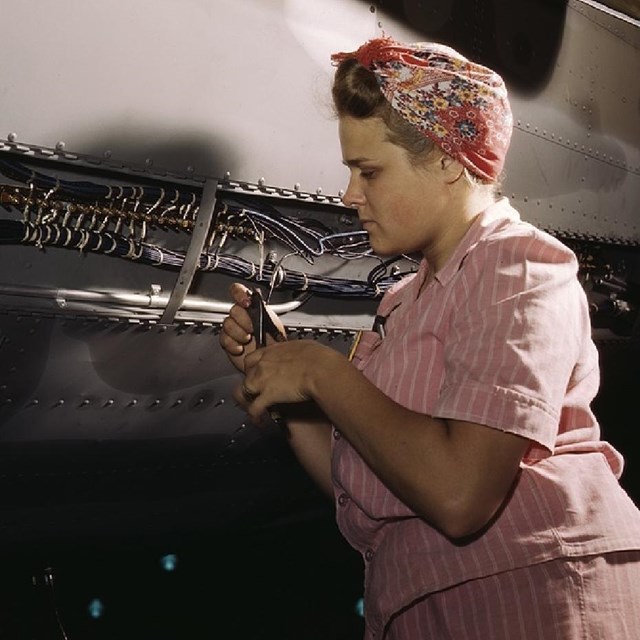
x,y
363,136
366,141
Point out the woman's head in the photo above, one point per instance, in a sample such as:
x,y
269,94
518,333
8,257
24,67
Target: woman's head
x,y
430,97
356,93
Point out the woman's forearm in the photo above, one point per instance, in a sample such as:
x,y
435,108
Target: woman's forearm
x,y
310,440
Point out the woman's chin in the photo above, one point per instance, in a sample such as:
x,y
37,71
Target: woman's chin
x,y
381,249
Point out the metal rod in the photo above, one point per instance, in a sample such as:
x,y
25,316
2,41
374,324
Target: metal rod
x,y
147,300
190,264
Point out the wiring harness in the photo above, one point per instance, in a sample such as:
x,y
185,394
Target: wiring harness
x,y
115,220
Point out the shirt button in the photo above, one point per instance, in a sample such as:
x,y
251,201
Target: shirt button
x,y
336,434
343,499
368,555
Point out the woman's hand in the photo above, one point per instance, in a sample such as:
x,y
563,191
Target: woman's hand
x,y
281,373
236,336
309,431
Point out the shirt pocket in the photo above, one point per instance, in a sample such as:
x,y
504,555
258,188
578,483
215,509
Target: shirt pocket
x,y
368,343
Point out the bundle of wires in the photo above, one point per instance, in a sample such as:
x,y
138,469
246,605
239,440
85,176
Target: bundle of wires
x,y
306,238
85,191
18,232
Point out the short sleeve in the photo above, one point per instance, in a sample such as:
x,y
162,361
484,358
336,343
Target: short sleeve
x,y
515,336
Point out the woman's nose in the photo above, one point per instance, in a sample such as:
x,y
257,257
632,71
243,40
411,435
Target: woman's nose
x,y
353,196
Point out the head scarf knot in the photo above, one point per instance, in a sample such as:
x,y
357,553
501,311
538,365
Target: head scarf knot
x,y
460,105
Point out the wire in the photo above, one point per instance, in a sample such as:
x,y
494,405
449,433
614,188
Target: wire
x,y
109,243
79,215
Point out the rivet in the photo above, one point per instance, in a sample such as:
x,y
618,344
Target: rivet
x,y
133,403
177,403
59,403
109,402
107,153
60,145
85,402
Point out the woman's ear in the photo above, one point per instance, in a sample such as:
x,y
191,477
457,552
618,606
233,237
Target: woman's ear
x,y
452,168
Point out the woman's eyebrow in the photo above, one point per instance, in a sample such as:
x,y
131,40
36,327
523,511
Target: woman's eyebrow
x,y
354,162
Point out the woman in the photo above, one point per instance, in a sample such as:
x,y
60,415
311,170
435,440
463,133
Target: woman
x,y
466,464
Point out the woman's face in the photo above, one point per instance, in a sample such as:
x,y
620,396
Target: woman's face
x,y
403,207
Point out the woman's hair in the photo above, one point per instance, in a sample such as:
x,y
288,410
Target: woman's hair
x,y
356,93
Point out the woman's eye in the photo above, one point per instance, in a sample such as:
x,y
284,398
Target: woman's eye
x,y
367,175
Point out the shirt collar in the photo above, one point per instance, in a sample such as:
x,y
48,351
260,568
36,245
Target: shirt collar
x,y
485,223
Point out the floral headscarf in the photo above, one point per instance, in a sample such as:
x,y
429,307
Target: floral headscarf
x,y
460,105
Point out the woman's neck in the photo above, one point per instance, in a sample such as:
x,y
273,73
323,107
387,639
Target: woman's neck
x,y
456,227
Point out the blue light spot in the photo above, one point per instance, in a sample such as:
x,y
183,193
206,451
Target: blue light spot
x,y
169,562
96,608
359,608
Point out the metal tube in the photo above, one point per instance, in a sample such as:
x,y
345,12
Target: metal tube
x,y
128,298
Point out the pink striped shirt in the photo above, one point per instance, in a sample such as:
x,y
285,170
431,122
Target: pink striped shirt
x,y
501,336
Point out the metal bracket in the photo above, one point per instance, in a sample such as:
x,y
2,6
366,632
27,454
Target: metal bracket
x,y
190,264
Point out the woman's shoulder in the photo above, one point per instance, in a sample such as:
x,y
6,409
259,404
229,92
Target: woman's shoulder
x,y
516,255
515,241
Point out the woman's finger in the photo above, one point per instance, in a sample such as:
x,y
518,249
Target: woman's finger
x,y
240,294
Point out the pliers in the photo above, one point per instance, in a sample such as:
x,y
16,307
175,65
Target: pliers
x,y
264,326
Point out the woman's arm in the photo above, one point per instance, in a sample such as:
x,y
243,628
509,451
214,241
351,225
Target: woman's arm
x,y
309,429
310,440
454,474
